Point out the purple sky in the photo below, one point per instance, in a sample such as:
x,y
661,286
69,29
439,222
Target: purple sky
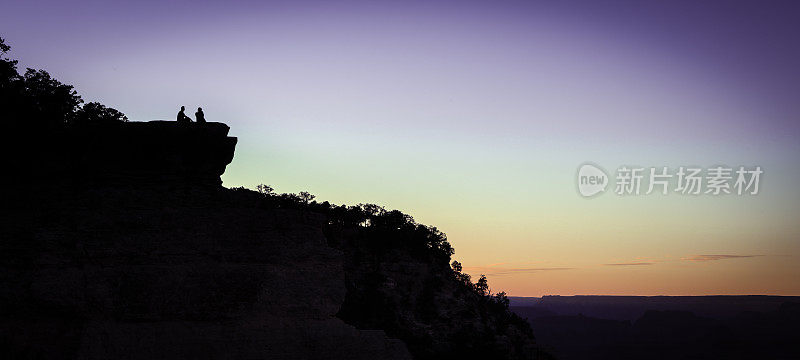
x,y
752,45
473,116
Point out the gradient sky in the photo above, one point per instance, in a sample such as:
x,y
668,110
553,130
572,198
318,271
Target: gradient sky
x,y
474,116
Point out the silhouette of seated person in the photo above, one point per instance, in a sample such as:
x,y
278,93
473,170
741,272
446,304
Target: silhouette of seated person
x,y
199,116
182,118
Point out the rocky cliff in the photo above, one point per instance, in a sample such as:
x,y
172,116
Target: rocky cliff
x,y
152,153
134,250
118,241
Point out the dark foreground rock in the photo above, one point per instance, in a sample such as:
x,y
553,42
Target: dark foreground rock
x,y
118,241
135,251
126,153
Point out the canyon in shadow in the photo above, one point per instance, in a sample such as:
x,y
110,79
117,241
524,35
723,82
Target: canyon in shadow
x,y
665,327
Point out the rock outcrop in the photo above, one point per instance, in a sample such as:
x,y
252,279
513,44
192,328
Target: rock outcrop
x,y
154,153
120,243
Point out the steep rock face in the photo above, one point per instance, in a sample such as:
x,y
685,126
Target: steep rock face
x,y
416,298
139,253
128,153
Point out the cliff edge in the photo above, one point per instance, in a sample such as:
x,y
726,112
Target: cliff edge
x,y
151,153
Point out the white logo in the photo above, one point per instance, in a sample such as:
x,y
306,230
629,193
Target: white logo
x,y
718,180
591,180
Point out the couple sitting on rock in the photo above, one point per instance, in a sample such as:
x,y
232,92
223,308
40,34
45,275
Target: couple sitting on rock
x,y
182,118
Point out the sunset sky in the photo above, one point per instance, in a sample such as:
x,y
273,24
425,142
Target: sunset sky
x,y
474,116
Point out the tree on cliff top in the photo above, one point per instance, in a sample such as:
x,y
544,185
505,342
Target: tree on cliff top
x,y
95,112
36,101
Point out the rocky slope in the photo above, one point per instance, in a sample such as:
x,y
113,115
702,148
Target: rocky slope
x,y
118,241
137,252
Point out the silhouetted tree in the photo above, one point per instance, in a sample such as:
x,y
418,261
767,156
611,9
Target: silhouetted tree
x,y
482,286
37,101
49,102
502,299
457,266
265,189
306,197
3,47
11,87
93,113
